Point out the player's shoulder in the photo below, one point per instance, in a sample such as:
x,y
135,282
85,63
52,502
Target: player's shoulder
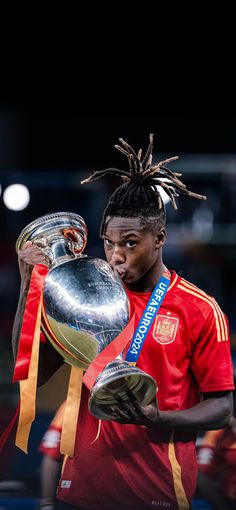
x,y
196,297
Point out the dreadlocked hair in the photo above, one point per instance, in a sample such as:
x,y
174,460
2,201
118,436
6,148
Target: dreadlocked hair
x,y
139,195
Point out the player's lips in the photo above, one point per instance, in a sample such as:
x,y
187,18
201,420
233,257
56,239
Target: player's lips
x,y
121,272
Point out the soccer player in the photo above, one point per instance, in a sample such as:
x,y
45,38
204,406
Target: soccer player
x,y
146,458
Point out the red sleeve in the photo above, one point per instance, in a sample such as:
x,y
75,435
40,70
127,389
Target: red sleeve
x,y
211,361
50,443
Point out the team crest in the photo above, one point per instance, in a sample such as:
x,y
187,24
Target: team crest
x,y
165,329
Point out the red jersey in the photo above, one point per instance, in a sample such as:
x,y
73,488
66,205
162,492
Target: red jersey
x,y
132,467
50,442
217,459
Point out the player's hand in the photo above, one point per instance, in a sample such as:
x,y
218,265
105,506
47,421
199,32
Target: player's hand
x,y
131,411
29,256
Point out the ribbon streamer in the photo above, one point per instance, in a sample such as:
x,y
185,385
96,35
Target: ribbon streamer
x,y
21,369
109,354
71,412
28,389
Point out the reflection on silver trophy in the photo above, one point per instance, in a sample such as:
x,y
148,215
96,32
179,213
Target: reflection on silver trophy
x,y
85,306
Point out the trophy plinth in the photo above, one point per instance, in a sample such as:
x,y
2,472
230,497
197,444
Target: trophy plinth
x,y
110,389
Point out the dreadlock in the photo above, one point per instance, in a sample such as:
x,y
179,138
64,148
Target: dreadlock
x,y
139,196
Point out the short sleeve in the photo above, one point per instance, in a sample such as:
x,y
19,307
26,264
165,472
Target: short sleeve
x,y
50,444
211,359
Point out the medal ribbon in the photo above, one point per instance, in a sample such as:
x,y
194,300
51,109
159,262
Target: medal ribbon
x,y
147,318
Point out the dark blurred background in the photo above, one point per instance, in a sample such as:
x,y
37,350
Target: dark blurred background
x,y
50,148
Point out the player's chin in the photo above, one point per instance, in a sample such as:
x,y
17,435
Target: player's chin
x,y
129,279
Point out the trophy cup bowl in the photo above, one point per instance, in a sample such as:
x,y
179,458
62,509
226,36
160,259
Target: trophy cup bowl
x,y
85,306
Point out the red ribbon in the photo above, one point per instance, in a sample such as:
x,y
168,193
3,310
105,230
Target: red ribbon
x,y
21,369
6,433
109,354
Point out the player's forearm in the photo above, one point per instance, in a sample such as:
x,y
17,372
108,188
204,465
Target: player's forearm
x,y
50,474
49,359
25,272
210,414
17,324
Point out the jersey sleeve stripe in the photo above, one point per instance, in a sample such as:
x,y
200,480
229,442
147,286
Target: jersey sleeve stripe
x,y
217,315
173,282
224,322
215,304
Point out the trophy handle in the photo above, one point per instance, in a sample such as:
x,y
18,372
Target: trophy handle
x,y
76,241
57,248
61,236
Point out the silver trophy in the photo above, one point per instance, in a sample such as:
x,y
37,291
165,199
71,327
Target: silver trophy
x,y
85,306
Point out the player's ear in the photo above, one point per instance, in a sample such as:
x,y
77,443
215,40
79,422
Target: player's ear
x,y
160,237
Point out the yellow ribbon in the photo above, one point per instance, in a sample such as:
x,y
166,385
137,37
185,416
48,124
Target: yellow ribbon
x,y
71,411
28,389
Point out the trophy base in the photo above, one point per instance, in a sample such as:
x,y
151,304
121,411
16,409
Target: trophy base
x,y
113,382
